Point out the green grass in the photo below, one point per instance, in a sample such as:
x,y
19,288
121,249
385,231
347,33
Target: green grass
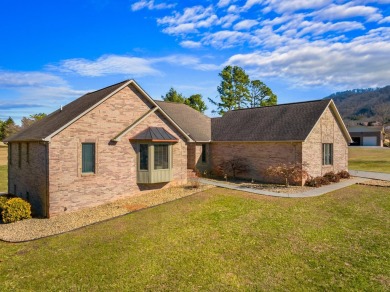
x,y
377,160
218,240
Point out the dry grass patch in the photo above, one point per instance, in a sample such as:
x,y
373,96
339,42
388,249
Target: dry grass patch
x,y
3,155
375,159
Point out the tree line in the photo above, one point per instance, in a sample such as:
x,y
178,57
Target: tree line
x,y
9,127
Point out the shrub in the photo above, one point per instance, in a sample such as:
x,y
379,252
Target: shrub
x,y
194,183
16,209
292,173
344,174
332,177
317,181
3,200
233,167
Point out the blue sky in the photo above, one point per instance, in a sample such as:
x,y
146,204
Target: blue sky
x,y
54,51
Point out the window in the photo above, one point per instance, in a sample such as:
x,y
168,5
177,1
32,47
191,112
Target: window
x,y
143,157
161,156
204,153
88,157
20,155
327,154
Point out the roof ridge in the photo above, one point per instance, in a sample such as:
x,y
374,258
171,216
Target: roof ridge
x,y
276,105
124,81
175,102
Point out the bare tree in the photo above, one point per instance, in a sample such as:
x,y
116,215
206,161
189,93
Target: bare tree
x,y
382,112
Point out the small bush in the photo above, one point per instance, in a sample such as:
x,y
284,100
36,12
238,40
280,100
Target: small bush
x,y
332,177
3,200
317,181
233,167
16,209
344,174
195,184
291,173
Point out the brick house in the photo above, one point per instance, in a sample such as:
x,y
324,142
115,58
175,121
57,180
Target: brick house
x,y
117,142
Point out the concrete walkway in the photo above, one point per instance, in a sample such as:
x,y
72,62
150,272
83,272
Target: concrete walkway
x,y
311,193
370,174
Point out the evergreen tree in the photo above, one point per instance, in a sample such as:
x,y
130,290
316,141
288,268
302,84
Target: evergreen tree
x,y
9,128
173,96
196,102
237,91
261,95
233,90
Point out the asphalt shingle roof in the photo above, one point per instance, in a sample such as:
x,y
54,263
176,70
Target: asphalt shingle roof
x,y
194,123
285,122
59,118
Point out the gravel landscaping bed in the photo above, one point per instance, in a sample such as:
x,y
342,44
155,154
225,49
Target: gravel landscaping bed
x,y
37,228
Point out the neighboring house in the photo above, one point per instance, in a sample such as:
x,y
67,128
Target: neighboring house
x,y
118,141
367,135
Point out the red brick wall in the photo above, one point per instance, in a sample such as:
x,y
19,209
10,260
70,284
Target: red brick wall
x,y
116,163
29,177
194,157
259,155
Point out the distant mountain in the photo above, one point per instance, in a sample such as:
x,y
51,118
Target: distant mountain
x,y
359,105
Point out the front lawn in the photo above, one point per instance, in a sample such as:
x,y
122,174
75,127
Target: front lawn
x,y
375,159
218,240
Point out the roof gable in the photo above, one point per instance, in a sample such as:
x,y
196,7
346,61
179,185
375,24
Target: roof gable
x,y
58,120
194,123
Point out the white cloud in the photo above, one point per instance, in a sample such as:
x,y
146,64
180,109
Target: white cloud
x,y
348,10
186,61
227,20
26,79
150,5
294,5
233,9
245,24
183,28
127,65
108,65
319,28
223,3
190,44
249,3
385,20
188,21
226,39
355,64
